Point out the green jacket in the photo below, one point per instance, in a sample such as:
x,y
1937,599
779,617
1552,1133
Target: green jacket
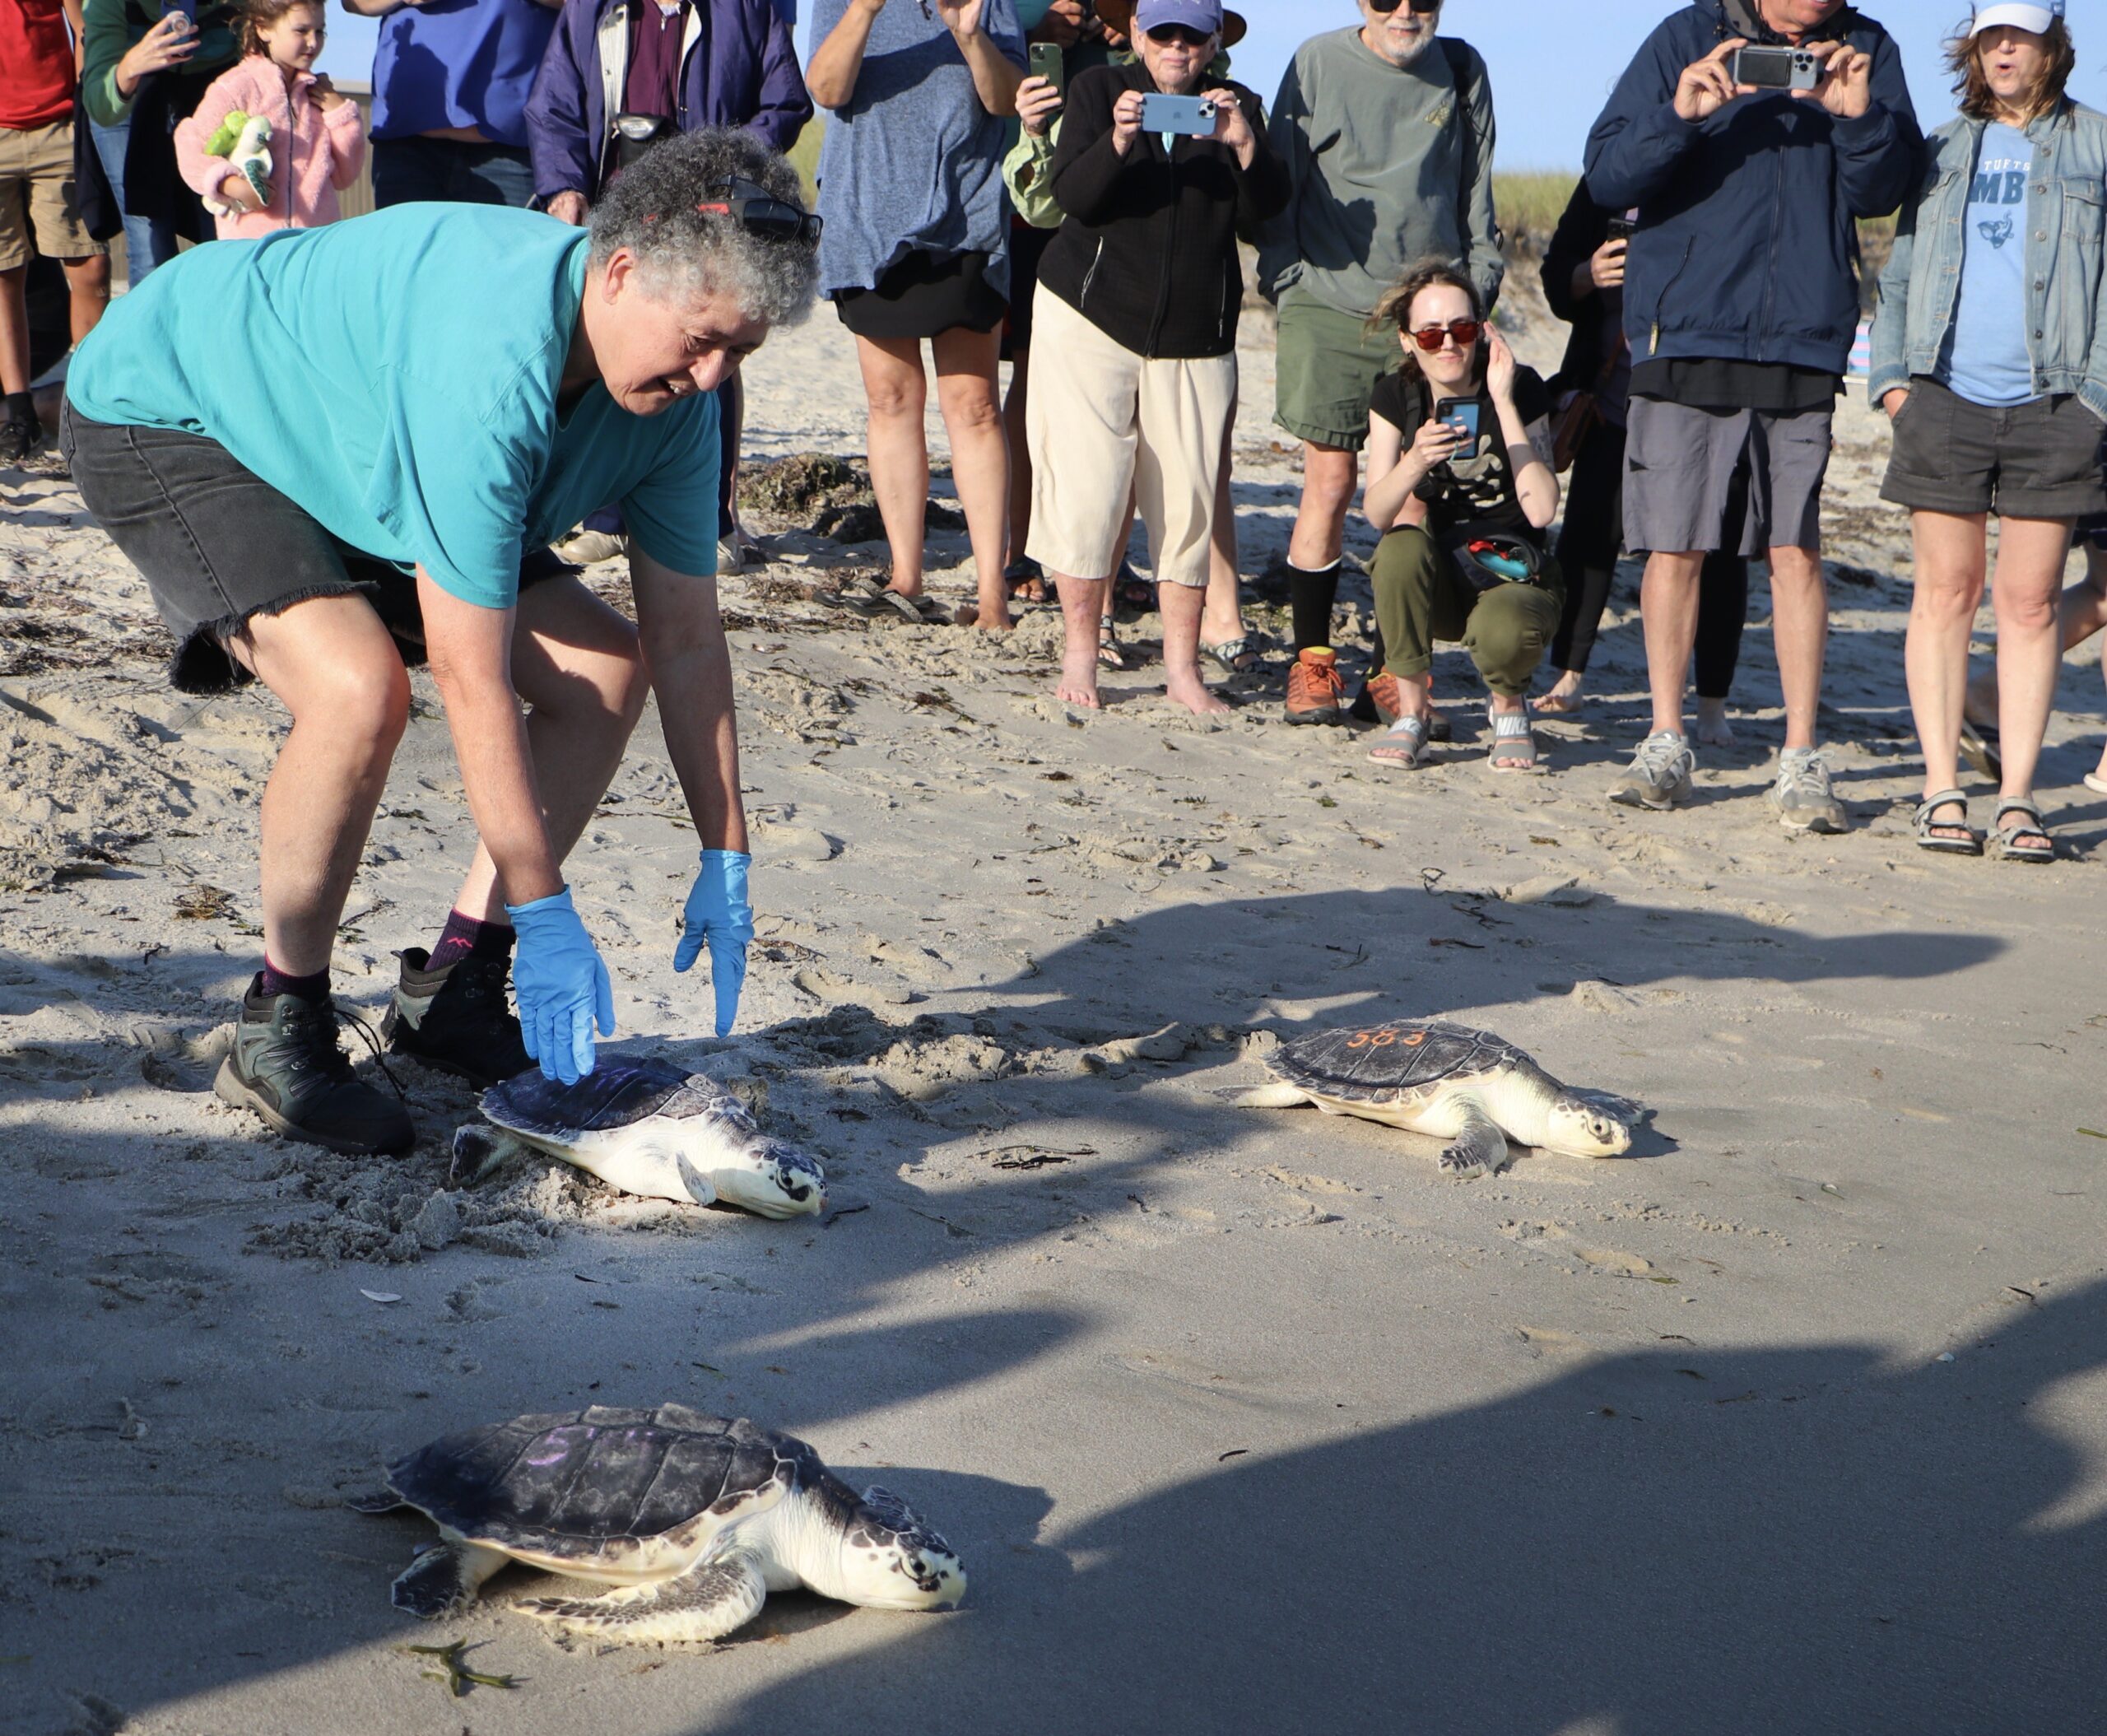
x,y
114,25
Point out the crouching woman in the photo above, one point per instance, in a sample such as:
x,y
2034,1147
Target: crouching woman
x,y
1461,489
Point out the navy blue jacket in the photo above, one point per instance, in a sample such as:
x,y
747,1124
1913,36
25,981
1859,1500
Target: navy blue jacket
x,y
738,68
1746,250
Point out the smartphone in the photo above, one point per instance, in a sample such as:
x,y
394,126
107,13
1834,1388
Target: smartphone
x,y
1461,414
1049,63
1621,229
1192,115
1776,69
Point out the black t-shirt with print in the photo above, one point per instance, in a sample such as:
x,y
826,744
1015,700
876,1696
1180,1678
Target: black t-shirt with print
x,y
1472,487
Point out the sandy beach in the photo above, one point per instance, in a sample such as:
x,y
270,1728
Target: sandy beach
x,y
1242,1420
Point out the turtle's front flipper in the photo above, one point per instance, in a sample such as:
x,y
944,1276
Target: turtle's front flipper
x,y
707,1602
1278,1095
1479,1148
444,1579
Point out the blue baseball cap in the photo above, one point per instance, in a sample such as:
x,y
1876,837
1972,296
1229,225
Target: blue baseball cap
x,y
1203,16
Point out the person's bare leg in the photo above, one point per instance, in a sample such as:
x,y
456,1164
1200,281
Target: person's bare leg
x,y
2082,612
1667,608
1082,606
1799,631
1222,619
2030,555
87,288
334,667
1013,430
14,330
1182,606
575,663
1950,562
897,392
1329,474
969,392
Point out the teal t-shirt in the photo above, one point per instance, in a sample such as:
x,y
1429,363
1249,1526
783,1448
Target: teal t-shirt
x,y
395,376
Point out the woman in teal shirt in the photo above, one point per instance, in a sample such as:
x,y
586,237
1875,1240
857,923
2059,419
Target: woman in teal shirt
x,y
333,453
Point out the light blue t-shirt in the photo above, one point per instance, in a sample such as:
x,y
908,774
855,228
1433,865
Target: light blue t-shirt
x,y
1986,360
396,376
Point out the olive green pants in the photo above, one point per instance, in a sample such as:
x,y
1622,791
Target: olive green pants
x,y
1420,597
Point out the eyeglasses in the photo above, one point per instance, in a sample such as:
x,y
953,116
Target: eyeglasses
x,y
758,212
1465,332
1387,6
1165,36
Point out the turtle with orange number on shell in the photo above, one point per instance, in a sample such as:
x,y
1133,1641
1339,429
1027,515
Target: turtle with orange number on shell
x,y
1470,1087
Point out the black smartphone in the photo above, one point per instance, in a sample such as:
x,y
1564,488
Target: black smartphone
x,y
1461,414
1049,63
1621,229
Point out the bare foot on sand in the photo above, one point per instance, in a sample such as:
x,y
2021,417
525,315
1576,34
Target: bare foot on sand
x,y
1078,684
1565,698
1194,694
1713,729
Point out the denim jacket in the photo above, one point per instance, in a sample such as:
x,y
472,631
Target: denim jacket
x,y
2065,204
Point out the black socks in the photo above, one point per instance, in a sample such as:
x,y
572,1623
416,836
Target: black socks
x,y
466,936
1310,596
21,408
314,988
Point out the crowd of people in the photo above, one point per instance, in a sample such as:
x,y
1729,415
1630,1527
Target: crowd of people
x,y
998,176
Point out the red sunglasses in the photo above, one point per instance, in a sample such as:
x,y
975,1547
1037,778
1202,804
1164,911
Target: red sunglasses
x,y
1465,332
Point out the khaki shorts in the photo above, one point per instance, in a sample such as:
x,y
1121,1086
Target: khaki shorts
x,y
1099,420
36,192
1326,370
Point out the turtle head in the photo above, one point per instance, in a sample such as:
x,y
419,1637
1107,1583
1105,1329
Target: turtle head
x,y
891,1560
1584,1129
775,1180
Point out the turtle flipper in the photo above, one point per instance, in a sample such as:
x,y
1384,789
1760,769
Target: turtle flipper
x,y
1479,1148
1278,1095
710,1600
376,1501
444,1579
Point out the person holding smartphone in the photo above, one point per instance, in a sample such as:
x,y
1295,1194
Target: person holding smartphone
x,y
1461,490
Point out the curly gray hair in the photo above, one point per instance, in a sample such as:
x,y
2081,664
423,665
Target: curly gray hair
x,y
650,209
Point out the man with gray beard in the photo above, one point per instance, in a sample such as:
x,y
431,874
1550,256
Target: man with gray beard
x,y
1387,131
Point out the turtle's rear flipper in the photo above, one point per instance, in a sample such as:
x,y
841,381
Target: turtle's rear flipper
x,y
444,1579
706,1603
374,1501
1480,1149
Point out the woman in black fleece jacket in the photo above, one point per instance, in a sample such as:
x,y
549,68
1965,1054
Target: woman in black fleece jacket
x,y
1139,295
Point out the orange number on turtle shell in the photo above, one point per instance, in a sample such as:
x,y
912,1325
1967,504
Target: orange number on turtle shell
x,y
1415,1039
1358,1039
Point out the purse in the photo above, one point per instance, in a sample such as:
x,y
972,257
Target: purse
x,y
634,134
1488,557
1580,416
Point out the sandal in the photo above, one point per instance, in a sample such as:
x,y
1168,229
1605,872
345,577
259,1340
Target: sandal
x,y
1026,580
1404,744
1232,656
1978,746
1131,593
2008,838
2096,781
924,611
1514,741
1947,837
1109,655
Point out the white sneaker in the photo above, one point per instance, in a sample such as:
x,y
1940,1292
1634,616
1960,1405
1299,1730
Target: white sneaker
x,y
1801,795
730,555
1658,775
584,547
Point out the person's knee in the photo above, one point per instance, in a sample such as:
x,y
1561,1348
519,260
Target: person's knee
x,y
971,407
364,702
1329,475
897,396
1406,560
2023,610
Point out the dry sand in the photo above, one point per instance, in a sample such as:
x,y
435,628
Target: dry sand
x,y
1242,1420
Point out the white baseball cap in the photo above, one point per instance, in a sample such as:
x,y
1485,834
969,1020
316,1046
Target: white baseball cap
x,y
2026,15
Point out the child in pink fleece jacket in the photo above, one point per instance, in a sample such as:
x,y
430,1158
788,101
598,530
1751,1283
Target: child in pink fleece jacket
x,y
318,145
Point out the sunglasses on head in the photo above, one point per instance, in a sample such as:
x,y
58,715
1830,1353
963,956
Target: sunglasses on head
x,y
758,212
1387,6
1165,36
1465,332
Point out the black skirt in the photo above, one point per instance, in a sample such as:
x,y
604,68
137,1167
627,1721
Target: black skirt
x,y
924,295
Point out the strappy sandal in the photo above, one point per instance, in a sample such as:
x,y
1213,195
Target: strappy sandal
x,y
1403,745
1947,837
1109,655
1514,741
1232,656
2007,837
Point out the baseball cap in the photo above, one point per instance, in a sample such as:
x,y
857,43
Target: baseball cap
x,y
2026,15
1203,16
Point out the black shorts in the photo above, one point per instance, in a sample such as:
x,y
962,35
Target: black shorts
x,y
2035,460
924,295
216,545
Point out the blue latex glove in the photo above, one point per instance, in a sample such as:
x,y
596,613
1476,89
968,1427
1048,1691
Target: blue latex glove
x,y
717,914
561,985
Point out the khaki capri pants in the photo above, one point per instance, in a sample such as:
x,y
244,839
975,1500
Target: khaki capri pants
x,y
1099,419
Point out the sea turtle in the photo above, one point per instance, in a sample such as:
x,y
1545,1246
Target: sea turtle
x,y
1429,1077
692,1520
647,1128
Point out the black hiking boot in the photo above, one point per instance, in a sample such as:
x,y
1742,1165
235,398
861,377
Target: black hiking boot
x,y
457,1020
286,1066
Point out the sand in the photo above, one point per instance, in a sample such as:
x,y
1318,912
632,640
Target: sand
x,y
1242,1420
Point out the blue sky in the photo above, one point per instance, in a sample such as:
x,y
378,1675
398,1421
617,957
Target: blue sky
x,y
1552,62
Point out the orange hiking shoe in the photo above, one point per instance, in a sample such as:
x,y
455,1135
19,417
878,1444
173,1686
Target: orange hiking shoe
x,y
1383,694
1316,692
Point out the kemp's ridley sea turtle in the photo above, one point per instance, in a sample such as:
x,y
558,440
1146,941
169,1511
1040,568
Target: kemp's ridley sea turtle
x,y
691,1519
1474,1089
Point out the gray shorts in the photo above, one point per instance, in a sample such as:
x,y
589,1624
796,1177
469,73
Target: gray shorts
x,y
1679,465
2035,460
216,544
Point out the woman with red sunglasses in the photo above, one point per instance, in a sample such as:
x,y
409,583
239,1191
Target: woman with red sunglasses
x,y
1460,488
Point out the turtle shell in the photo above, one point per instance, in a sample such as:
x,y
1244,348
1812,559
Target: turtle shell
x,y
575,1486
614,1094
1380,1062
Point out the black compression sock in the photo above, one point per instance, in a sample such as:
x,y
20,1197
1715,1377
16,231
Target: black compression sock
x,y
314,988
1310,596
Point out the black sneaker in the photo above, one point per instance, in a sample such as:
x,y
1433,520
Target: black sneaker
x,y
457,1020
19,439
286,1066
